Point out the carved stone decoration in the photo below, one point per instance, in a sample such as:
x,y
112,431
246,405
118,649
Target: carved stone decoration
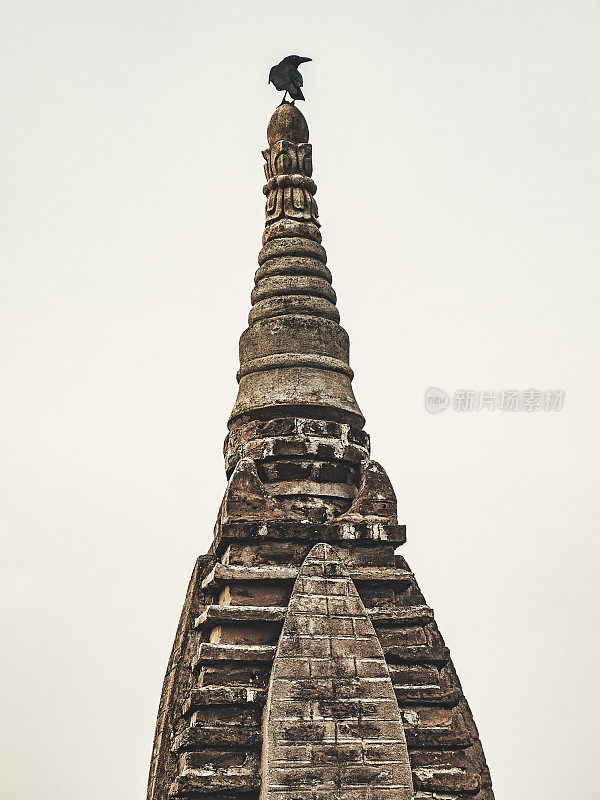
x,y
288,158
375,499
290,189
246,498
332,721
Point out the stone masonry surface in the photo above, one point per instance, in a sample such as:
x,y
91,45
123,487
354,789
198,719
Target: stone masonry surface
x,y
333,722
307,664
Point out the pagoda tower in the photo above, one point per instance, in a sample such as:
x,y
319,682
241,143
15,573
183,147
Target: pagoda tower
x,y
307,664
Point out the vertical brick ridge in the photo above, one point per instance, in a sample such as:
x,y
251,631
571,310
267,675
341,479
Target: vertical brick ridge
x,y
176,686
331,721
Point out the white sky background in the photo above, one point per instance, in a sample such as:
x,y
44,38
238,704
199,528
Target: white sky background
x,y
456,154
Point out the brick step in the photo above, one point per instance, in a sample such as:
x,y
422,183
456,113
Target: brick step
x,y
200,781
232,794
437,739
417,654
406,695
300,446
252,653
409,615
250,695
295,426
224,695
196,780
220,614
427,696
232,573
426,796
439,779
365,532
227,673
249,653
217,615
201,736
415,676
225,573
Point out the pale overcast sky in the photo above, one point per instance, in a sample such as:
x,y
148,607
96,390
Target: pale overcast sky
x,y
456,154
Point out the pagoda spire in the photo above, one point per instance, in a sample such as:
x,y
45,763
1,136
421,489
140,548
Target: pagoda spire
x,y
294,356
307,663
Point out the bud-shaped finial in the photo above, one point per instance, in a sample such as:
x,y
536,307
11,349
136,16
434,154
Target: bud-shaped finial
x,y
287,124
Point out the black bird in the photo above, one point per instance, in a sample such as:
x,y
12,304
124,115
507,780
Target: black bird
x,y
285,76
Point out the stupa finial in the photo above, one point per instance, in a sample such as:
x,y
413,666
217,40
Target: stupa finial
x,y
287,124
294,356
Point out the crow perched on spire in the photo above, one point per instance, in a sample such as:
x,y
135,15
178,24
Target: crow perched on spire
x,y
285,76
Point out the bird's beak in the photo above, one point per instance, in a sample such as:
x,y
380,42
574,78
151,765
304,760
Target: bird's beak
x,y
302,60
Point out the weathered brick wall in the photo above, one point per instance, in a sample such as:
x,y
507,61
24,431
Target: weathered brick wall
x,y
177,685
332,719
300,474
210,728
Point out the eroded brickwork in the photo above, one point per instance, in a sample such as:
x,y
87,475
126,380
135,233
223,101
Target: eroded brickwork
x,y
364,699
333,726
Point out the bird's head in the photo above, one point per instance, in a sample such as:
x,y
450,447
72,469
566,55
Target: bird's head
x,y
297,60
